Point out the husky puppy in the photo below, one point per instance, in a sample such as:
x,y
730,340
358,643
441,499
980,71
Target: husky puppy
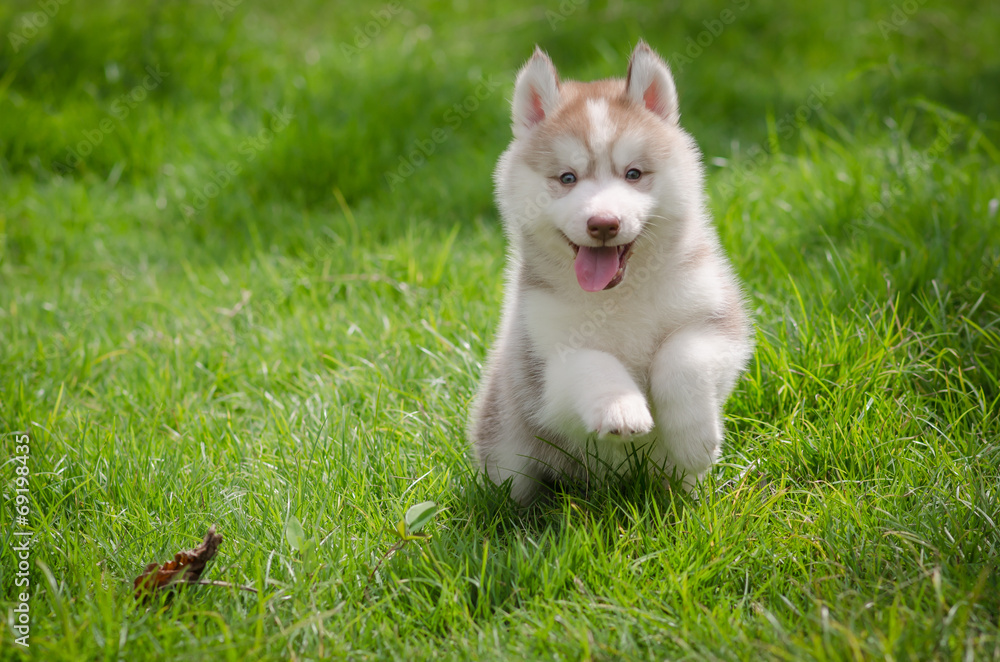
x,y
623,328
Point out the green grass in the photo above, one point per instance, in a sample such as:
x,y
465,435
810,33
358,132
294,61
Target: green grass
x,y
307,342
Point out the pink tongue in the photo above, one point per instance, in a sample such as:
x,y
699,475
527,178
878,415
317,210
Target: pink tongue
x,y
595,267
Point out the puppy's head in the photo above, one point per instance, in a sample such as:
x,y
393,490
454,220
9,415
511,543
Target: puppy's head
x,y
596,169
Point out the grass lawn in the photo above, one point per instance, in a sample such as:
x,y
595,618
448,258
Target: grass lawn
x,y
250,267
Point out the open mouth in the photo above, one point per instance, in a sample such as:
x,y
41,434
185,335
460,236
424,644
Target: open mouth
x,y
600,267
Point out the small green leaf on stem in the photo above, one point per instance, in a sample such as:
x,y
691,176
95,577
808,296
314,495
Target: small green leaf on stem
x,y
419,515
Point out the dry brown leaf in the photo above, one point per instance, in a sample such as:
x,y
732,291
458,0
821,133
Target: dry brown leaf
x,y
186,568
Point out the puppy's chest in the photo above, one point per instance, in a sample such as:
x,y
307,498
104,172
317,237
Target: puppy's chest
x,y
629,330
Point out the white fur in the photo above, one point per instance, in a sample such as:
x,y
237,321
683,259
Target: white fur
x,y
645,365
601,129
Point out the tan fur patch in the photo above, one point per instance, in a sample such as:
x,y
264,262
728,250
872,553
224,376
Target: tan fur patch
x,y
574,119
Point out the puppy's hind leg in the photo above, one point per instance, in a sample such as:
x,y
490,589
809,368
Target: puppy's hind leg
x,y
512,453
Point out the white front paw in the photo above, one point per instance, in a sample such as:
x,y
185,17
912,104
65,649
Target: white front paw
x,y
621,416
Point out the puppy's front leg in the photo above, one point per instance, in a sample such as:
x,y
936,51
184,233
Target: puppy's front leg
x,y
588,391
692,374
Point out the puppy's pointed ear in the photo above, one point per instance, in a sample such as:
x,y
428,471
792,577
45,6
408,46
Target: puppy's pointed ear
x,y
536,93
649,83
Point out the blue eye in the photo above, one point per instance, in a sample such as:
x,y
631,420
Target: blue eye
x,y
633,174
567,178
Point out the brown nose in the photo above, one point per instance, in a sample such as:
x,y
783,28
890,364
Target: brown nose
x,y
602,227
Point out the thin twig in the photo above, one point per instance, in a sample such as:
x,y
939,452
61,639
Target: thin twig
x,y
207,582
398,545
